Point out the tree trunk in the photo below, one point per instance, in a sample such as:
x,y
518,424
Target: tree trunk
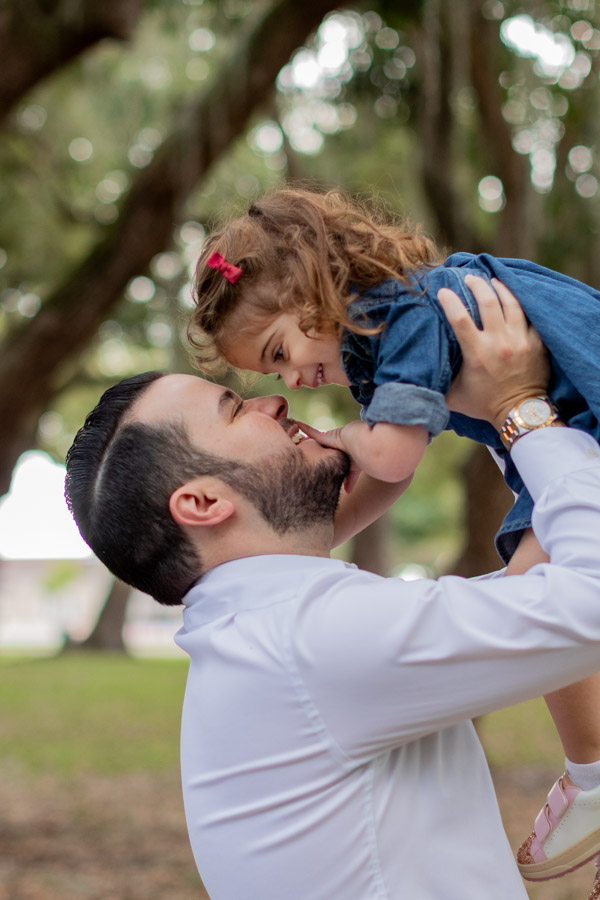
x,y
440,52
371,548
39,36
516,235
460,49
107,633
487,500
35,358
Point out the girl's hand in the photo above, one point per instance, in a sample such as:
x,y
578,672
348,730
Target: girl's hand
x,y
335,440
385,451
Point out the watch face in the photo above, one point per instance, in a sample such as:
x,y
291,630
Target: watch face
x,y
534,412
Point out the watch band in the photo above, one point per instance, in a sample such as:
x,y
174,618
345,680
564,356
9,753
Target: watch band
x,y
529,415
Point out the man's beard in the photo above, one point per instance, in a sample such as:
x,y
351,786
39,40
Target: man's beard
x,y
289,492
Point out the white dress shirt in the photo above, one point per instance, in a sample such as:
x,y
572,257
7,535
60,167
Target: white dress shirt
x,y
327,747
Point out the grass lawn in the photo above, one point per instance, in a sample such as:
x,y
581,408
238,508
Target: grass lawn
x,y
83,712
90,792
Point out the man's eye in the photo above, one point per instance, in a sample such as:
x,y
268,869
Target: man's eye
x,y
278,355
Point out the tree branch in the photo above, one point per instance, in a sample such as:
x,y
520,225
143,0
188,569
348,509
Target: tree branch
x,y
34,359
516,235
38,37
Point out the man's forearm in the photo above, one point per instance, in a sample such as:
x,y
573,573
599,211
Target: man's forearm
x,y
435,653
548,460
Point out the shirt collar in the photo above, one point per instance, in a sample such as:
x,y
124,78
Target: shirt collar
x,y
251,583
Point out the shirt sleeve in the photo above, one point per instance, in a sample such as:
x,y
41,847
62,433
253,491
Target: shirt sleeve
x,y
387,662
412,368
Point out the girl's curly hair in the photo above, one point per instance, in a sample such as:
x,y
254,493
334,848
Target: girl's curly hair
x,y
301,251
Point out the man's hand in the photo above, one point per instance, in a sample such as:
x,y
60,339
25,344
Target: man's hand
x,y
504,363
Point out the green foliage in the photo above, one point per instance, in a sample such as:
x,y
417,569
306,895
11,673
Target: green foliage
x,y
78,141
428,518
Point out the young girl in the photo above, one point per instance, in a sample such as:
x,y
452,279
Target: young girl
x,y
318,290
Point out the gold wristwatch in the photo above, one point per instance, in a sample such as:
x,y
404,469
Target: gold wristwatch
x,y
528,415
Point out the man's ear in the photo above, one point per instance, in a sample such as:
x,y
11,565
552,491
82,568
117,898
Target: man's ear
x,y
200,502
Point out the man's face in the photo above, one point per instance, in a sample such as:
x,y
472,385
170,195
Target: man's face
x,y
293,485
218,421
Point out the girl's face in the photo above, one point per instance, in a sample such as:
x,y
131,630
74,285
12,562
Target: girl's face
x,y
281,348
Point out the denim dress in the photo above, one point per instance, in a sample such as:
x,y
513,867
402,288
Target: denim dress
x,y
402,374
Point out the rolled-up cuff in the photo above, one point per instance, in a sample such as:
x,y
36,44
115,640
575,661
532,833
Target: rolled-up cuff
x,y
407,404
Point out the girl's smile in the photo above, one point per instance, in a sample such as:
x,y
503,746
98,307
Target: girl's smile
x,y
281,348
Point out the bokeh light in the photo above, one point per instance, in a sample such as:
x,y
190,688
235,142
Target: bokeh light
x,y
80,149
491,194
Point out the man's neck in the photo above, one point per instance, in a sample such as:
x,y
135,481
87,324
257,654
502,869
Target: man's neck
x,y
315,541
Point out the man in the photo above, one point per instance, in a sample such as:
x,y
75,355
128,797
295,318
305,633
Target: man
x,y
327,750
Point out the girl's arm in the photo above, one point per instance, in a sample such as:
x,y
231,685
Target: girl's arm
x,y
528,554
367,502
388,455
384,451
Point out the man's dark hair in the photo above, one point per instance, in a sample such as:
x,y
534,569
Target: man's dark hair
x,y
120,476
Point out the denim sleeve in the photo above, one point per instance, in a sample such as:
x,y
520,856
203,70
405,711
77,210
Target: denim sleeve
x,y
408,404
412,367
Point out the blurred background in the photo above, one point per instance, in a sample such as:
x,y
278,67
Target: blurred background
x,y
127,128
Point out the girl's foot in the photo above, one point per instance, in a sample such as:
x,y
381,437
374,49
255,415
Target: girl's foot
x,y
566,834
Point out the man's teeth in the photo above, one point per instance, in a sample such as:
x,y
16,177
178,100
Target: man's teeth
x,y
298,437
320,374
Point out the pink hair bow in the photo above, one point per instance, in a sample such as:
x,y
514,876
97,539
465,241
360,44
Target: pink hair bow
x,y
230,273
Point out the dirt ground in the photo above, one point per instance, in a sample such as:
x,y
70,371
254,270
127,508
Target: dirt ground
x,y
125,839
100,838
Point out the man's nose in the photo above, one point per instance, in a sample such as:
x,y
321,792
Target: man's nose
x,y
274,405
